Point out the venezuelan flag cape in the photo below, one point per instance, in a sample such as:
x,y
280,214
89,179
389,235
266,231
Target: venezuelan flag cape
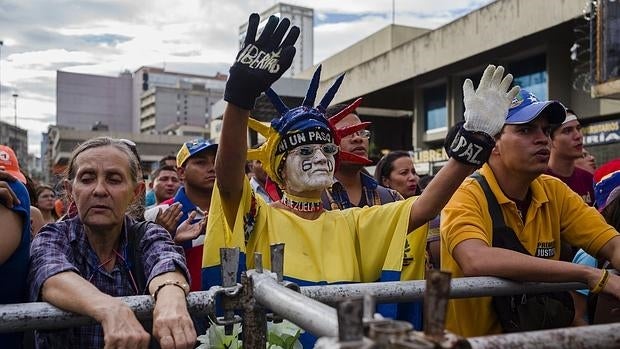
x,y
354,245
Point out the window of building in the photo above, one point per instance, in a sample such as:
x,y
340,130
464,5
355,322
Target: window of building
x,y
435,109
531,74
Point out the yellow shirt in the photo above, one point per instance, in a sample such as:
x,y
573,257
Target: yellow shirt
x,y
357,244
554,209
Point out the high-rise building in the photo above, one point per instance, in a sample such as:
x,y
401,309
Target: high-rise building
x,y
150,100
84,100
302,17
163,100
17,139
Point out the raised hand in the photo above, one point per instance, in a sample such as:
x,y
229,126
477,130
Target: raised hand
x,y
170,217
260,62
188,231
487,106
485,113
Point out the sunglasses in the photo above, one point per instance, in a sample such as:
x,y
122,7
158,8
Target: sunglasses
x,y
360,133
307,151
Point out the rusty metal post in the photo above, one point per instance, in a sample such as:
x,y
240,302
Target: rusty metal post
x,y
370,307
254,318
229,259
277,260
350,322
258,262
436,303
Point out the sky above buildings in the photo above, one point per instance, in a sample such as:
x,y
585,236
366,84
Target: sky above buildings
x,y
106,37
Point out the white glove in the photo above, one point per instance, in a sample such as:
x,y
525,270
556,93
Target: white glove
x,y
486,108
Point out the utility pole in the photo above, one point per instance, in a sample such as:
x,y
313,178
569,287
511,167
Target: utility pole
x,y
393,12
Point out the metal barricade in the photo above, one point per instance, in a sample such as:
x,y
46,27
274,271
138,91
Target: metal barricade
x,y
350,324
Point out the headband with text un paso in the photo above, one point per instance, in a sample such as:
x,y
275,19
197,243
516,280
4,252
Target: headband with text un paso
x,y
301,125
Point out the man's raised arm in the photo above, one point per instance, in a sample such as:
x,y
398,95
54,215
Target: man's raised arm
x,y
485,113
258,65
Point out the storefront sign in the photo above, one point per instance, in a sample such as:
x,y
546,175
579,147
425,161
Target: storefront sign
x,y
430,155
601,133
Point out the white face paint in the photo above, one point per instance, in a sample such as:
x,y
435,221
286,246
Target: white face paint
x,y
308,169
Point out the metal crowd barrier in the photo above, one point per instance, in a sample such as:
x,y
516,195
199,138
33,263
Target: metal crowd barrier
x,y
41,315
351,323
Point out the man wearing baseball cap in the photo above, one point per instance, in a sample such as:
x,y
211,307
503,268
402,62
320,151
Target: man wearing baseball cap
x,y
538,208
190,205
15,242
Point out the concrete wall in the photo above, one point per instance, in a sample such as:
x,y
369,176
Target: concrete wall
x,y
494,25
363,51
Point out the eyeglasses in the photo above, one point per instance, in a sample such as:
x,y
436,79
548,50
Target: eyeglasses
x,y
360,133
307,151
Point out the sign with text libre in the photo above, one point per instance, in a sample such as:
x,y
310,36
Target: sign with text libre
x,y
430,155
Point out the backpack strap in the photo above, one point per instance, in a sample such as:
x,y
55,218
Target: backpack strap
x,y
503,236
135,233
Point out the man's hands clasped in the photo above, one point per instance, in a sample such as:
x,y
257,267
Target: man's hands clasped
x,y
260,63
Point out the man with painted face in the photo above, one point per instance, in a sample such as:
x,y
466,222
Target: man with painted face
x,y
300,154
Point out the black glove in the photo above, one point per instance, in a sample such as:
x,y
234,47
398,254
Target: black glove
x,y
260,62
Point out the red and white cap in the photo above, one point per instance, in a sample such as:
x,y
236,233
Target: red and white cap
x,y
9,163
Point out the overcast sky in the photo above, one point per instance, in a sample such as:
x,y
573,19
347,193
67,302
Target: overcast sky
x,y
198,36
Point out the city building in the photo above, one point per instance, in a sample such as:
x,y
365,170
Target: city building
x,y
301,17
423,74
16,138
164,100
151,100
83,100
291,91
62,141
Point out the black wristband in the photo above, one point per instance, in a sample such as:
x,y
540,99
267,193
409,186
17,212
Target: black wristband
x,y
471,148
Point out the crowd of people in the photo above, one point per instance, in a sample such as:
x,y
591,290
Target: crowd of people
x,y
513,159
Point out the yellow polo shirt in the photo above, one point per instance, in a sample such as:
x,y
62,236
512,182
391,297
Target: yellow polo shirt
x,y
555,209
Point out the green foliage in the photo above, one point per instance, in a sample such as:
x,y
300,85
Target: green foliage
x,y
284,335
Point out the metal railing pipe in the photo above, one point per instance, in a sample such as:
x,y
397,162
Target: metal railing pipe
x,y
401,291
44,316
594,336
317,318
